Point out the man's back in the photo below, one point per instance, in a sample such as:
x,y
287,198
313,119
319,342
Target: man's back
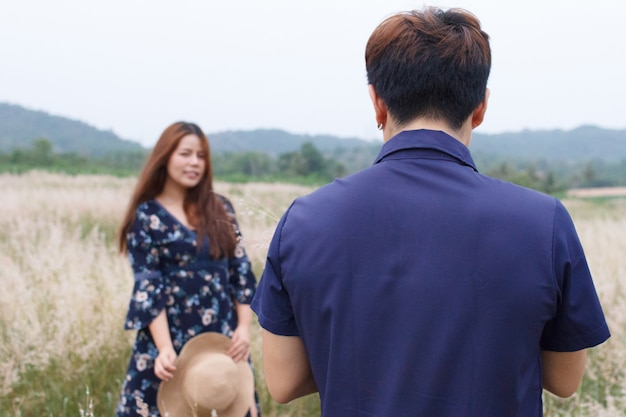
x,y
423,288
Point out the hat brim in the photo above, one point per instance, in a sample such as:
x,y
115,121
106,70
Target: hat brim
x,y
170,399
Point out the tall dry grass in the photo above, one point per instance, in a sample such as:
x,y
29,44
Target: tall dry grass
x,y
61,279
602,229
65,291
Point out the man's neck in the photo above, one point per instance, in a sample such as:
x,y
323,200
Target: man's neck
x,y
463,135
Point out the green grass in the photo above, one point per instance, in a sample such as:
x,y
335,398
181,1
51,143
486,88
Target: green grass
x,y
68,385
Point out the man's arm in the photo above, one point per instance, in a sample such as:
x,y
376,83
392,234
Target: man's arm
x,y
563,371
286,366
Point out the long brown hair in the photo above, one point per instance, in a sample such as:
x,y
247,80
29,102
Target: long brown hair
x,y
204,209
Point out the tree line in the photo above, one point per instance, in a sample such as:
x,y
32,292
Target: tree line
x,y
41,155
311,167
306,166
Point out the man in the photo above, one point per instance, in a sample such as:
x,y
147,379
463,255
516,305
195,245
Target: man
x,y
418,286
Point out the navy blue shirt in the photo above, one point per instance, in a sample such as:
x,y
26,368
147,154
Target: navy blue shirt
x,y
421,287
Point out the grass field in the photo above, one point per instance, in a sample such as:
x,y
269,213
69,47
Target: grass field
x,y
65,291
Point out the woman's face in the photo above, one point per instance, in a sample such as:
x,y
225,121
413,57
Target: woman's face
x,y
186,165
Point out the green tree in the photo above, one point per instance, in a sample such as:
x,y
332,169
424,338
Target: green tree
x,y
550,185
42,152
502,171
308,161
253,164
38,155
588,175
314,162
290,164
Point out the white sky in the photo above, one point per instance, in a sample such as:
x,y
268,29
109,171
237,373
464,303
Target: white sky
x,y
135,66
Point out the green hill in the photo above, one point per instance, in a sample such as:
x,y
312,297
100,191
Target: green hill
x,y
274,141
577,145
551,160
19,127
584,143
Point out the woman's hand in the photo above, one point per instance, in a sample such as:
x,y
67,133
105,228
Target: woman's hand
x,y
240,348
253,410
164,364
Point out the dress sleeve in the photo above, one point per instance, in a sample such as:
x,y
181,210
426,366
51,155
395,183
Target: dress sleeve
x,y
241,276
148,296
579,322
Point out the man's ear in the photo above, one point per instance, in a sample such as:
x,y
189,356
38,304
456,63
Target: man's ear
x,y
479,113
380,108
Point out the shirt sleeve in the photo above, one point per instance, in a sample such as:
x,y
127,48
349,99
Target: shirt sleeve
x,y
241,276
271,302
148,296
579,321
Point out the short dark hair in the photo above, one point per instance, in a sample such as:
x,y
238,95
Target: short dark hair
x,y
430,63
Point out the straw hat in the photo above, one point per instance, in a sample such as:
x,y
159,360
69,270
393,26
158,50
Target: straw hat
x,y
207,382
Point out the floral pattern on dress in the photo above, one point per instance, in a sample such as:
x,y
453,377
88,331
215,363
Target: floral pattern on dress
x,y
197,292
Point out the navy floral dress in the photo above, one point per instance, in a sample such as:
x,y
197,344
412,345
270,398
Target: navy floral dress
x,y
197,292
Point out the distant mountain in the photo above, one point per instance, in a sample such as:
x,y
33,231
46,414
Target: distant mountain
x,y
584,143
19,127
275,142
581,144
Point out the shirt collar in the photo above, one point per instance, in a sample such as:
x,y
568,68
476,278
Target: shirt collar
x,y
427,139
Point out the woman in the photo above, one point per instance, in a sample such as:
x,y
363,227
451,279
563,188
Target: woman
x,y
191,272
